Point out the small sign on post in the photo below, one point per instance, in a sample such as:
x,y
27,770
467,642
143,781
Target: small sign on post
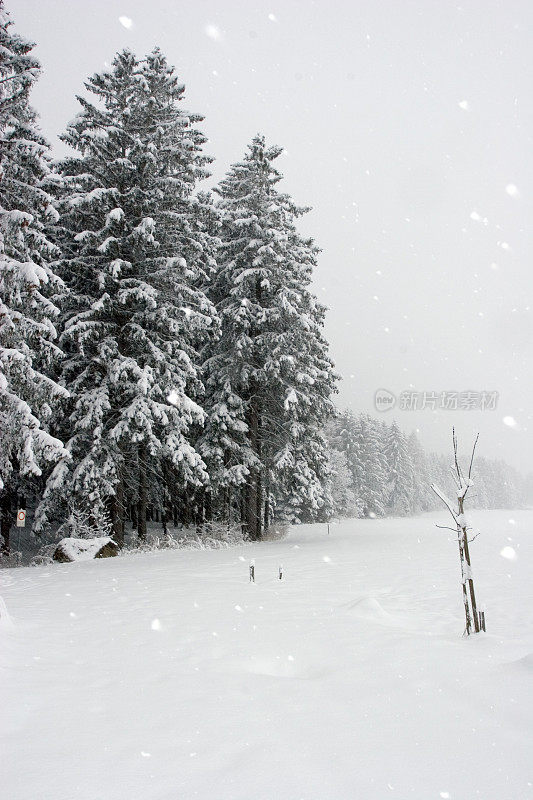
x,y
21,518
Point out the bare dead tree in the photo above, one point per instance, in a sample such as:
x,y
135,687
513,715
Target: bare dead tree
x,y
474,618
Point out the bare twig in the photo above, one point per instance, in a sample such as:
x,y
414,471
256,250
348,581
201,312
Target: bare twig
x,y
471,461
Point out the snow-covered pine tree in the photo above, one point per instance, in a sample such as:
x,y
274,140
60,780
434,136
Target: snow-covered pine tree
x,y
375,465
134,257
269,376
360,440
422,497
343,496
400,472
28,284
303,485
344,437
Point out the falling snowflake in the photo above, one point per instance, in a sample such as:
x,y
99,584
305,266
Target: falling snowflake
x,y
509,553
213,32
126,22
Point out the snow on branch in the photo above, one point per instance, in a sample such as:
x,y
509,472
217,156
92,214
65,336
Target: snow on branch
x,y
440,494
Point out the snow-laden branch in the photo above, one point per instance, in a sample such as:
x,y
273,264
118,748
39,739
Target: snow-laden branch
x,y
440,494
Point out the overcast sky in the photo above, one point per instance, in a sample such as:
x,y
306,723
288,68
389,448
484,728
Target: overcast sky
x,y
407,126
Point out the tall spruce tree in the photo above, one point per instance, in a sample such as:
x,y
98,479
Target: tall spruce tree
x,y
360,439
269,376
421,498
344,502
28,284
135,256
400,472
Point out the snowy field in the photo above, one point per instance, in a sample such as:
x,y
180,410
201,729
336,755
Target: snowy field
x,y
168,676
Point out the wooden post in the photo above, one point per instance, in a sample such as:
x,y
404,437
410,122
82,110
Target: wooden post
x,y
281,572
252,571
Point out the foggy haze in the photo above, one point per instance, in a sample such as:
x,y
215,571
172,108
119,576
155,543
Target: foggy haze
x,y
407,127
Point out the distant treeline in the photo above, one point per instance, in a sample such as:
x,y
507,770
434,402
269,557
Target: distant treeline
x,y
377,471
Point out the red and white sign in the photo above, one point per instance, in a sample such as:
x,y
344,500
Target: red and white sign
x,y
21,518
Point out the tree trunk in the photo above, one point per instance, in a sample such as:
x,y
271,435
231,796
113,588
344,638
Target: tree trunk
x,y
242,508
266,521
116,512
253,494
465,593
199,513
208,507
133,516
466,553
6,515
227,506
252,502
259,504
142,503
166,506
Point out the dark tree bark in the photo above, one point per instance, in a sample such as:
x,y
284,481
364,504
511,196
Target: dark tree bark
x,y
6,520
133,516
266,521
208,506
253,503
116,512
142,503
464,536
242,508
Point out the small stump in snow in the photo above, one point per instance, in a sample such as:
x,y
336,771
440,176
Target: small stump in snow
x,y
71,549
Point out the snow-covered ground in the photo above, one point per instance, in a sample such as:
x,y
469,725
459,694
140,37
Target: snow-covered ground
x,y
168,676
